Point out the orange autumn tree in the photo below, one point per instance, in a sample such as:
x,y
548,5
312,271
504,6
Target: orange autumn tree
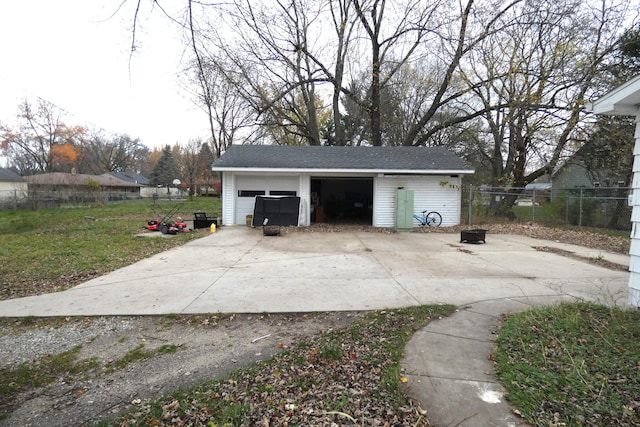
x,y
64,157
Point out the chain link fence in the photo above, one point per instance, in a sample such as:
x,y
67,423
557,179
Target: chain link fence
x,y
602,207
21,199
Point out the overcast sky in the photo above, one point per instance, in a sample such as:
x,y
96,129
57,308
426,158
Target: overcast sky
x,y
74,54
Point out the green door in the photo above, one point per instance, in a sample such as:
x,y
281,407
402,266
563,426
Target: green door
x,y
404,209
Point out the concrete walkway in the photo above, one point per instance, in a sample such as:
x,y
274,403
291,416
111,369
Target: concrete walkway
x,y
448,367
238,270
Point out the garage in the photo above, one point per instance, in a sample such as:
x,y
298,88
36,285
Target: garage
x,y
350,185
342,200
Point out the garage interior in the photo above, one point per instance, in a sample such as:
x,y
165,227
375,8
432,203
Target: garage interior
x,y
342,200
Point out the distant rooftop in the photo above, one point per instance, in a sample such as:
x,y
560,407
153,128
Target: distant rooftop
x,y
7,175
131,177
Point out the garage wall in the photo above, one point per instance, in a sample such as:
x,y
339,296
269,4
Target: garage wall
x,y
228,198
305,199
235,209
433,193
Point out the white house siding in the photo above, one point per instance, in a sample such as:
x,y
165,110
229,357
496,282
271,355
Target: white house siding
x,y
11,191
235,208
432,193
634,252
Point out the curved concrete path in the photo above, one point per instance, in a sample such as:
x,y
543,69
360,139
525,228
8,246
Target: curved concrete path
x,y
448,367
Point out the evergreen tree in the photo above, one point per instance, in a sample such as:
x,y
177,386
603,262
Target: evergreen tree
x,y
166,170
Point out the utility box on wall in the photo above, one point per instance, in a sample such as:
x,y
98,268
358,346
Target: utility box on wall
x,y
404,209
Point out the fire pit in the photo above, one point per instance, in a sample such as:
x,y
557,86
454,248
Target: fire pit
x,y
271,230
473,236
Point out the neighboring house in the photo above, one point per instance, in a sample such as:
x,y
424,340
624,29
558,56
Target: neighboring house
x,y
342,184
573,174
146,190
13,188
584,169
80,187
625,101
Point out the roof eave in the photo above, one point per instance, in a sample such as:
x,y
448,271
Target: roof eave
x,y
614,109
623,100
358,171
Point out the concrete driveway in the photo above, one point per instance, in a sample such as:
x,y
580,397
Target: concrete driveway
x,y
237,269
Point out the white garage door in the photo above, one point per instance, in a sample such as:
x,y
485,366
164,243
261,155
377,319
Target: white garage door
x,y
248,187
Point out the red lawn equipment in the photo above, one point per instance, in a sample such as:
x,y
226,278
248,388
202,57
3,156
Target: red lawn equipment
x,y
163,221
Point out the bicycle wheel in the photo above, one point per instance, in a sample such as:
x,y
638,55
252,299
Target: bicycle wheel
x,y
434,219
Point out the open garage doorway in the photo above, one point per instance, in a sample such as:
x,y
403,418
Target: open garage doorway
x,y
342,200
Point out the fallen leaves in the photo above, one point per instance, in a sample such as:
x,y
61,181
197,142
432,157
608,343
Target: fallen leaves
x,y
332,379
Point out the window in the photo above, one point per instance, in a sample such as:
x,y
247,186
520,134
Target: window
x,y
250,193
282,193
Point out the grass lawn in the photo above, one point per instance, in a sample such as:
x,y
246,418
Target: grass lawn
x,y
52,249
572,364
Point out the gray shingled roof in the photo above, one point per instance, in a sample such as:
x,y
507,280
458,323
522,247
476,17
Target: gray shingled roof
x,y
134,177
375,159
7,175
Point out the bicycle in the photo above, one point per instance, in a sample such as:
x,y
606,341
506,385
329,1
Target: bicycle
x,y
429,219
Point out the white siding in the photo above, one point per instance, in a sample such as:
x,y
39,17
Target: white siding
x,y
305,199
634,252
13,191
235,209
432,193
228,198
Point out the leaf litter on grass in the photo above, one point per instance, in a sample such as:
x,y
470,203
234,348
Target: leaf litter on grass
x,y
336,377
572,364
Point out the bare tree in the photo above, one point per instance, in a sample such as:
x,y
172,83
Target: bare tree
x,y
343,25
116,153
392,45
189,164
537,74
227,111
285,58
39,137
261,56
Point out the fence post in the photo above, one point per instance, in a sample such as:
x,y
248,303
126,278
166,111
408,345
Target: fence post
x,y
580,213
470,203
533,206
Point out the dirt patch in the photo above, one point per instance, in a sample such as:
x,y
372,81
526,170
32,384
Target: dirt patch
x,y
592,260
581,237
207,347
